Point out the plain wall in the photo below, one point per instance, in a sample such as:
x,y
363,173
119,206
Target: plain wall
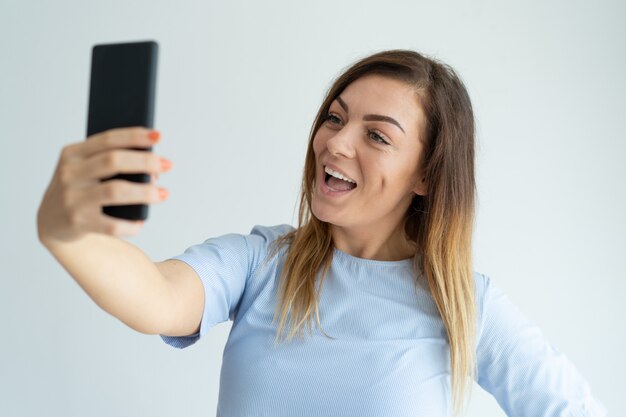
x,y
239,84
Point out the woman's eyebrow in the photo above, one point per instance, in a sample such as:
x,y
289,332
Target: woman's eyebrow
x,y
372,117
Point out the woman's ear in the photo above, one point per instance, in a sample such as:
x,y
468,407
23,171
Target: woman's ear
x,y
421,187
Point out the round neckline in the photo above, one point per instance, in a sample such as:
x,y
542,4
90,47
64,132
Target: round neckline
x,y
356,259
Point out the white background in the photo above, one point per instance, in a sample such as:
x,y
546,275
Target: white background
x,y
238,86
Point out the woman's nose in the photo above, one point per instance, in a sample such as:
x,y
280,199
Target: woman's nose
x,y
342,143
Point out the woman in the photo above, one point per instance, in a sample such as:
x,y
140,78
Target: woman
x,y
385,224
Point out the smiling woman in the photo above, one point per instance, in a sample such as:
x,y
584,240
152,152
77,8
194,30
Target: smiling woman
x,y
385,228
381,257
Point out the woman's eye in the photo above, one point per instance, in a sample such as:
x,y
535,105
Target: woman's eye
x,y
333,119
376,137
372,134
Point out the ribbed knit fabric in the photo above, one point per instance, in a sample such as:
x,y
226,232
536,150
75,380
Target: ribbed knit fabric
x,y
389,355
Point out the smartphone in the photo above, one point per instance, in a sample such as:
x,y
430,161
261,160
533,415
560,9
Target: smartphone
x,y
122,94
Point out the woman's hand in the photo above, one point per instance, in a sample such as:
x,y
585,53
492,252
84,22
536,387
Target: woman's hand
x,y
71,206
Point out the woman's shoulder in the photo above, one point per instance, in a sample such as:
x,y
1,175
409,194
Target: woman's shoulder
x,y
264,235
271,232
261,237
497,315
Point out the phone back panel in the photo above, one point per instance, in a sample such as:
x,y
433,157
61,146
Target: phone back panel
x,y
122,86
122,94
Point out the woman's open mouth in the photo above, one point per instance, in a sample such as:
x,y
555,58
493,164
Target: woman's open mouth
x,y
336,183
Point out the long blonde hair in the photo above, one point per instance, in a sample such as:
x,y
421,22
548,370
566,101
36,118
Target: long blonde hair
x,y
439,223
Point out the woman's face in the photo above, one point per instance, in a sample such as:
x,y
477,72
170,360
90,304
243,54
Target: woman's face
x,y
371,137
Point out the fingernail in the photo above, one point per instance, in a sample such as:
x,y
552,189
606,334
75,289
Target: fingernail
x,y
163,193
154,136
166,165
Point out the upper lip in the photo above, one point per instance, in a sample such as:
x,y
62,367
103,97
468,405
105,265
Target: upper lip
x,y
339,170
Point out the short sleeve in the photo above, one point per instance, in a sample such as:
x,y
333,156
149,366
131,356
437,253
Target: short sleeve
x,y
525,373
224,264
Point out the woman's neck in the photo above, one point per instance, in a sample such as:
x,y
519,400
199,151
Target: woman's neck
x,y
367,243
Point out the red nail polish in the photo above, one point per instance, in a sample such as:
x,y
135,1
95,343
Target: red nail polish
x,y
154,136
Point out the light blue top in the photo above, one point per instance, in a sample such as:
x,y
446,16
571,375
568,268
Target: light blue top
x,y
390,355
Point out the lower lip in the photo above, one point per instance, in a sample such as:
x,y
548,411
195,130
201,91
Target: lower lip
x,y
329,191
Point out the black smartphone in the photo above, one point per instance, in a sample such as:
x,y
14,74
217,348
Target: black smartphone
x,y
122,94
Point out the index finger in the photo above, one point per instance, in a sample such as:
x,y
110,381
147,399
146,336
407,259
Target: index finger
x,y
117,138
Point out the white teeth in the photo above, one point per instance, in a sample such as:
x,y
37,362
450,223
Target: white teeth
x,y
338,175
